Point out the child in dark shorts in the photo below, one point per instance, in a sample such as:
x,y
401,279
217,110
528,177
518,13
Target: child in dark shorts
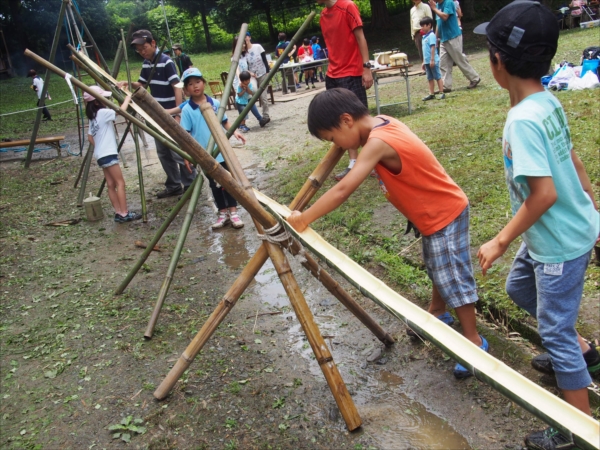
x,y
431,60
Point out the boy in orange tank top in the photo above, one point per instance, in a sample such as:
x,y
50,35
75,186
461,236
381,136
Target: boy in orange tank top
x,y
413,180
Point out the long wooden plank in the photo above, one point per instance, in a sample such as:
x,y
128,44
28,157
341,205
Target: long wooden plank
x,y
549,408
23,142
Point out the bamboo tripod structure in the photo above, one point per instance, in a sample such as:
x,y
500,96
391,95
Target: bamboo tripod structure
x,y
239,187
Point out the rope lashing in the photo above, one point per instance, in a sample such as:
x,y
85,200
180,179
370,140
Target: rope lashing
x,y
271,234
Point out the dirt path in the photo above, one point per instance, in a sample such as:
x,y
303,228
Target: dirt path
x,y
74,361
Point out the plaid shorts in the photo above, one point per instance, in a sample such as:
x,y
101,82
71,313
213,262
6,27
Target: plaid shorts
x,y
353,84
447,256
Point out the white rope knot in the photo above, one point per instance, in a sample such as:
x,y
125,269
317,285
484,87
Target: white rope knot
x,y
272,236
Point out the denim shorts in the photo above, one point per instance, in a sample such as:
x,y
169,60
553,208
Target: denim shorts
x,y
433,74
447,256
552,294
108,161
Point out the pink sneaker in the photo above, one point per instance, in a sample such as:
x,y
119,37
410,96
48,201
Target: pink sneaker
x,y
236,222
221,221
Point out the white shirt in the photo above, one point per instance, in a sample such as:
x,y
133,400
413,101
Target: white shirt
x,y
255,62
39,85
103,131
417,13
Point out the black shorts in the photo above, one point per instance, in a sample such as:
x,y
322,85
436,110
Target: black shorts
x,y
353,84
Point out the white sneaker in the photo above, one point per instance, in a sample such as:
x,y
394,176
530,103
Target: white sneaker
x,y
236,222
221,221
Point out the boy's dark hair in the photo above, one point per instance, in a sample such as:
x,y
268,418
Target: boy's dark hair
x,y
92,108
188,79
306,41
426,21
281,37
525,69
245,76
326,108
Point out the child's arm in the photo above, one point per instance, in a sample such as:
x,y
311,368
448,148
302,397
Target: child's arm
x,y
236,133
367,159
432,62
584,179
542,197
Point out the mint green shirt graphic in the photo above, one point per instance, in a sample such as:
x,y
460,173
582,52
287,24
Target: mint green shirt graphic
x,y
537,143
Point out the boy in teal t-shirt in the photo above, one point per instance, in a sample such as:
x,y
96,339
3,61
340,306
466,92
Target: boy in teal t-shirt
x,y
431,60
553,205
245,91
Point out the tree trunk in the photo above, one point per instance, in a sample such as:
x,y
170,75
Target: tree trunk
x,y
205,26
468,9
270,24
380,17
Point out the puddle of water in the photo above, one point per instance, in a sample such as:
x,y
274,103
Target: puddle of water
x,y
402,423
269,287
231,245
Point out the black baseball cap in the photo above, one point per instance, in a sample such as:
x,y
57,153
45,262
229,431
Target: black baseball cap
x,y
524,29
141,37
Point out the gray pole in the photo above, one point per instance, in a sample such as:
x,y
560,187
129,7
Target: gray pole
x,y
162,3
38,117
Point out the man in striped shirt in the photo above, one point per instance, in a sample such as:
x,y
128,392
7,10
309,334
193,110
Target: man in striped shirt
x,y
162,87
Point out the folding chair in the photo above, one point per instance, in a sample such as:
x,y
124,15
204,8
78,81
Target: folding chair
x,y
215,87
231,99
587,11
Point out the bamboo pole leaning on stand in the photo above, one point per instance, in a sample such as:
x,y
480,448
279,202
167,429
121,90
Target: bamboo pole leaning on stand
x,y
42,101
81,167
84,177
138,154
118,58
90,37
249,202
164,289
297,300
109,104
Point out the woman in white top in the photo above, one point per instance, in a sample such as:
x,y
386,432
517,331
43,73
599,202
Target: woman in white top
x,y
101,135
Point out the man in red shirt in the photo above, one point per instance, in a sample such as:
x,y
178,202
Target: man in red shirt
x,y
349,65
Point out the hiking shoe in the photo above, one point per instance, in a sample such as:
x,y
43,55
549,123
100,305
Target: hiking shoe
x,y
170,192
129,217
473,84
548,439
442,97
244,128
236,222
265,120
342,174
446,90
543,362
446,318
429,97
222,220
461,372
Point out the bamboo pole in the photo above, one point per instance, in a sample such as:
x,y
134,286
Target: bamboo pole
x,y
157,237
118,58
91,38
191,208
138,154
42,102
86,171
76,58
164,289
211,324
81,167
297,300
106,102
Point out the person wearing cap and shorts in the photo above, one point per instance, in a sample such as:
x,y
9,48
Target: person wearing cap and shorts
x,y
451,44
553,205
38,85
182,61
163,89
349,66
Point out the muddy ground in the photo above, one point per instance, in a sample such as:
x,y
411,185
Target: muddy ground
x,y
74,360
